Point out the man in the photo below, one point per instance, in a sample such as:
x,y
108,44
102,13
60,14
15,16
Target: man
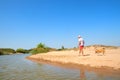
x,y
80,44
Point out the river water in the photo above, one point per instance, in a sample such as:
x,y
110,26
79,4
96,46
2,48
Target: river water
x,y
17,67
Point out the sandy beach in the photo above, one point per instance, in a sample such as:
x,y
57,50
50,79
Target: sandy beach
x,y
111,58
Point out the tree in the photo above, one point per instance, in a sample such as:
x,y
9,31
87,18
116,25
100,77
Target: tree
x,y
41,48
62,48
41,45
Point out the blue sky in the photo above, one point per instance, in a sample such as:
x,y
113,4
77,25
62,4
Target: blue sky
x,y
25,23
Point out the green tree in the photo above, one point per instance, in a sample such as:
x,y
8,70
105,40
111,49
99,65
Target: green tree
x,y
41,45
41,48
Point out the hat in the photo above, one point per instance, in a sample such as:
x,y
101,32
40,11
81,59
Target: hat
x,y
79,36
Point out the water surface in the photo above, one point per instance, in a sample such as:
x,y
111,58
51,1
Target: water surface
x,y
17,67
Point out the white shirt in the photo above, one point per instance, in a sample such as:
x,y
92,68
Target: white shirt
x,y
81,41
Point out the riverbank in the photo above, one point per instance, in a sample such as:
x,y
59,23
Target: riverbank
x,y
110,60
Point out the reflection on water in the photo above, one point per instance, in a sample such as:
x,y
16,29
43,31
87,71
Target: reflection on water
x,y
82,74
16,67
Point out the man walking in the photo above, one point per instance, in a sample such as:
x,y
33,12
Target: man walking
x,y
81,45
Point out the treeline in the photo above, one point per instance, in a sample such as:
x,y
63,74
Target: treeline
x,y
7,51
40,48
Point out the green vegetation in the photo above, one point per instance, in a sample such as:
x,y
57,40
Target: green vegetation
x,y
20,50
1,53
41,48
62,48
6,51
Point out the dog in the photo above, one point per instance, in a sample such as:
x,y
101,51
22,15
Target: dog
x,y
100,50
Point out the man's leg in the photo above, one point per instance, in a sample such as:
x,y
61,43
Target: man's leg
x,y
81,49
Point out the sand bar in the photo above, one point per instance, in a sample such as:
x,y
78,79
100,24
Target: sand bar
x,y
111,59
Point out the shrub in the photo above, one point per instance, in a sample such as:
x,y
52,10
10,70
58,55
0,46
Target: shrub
x,y
62,48
1,53
41,45
41,48
20,50
5,51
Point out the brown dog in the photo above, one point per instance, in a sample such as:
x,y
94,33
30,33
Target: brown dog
x,y
101,50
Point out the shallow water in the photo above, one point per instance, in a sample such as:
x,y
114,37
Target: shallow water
x,y
17,67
